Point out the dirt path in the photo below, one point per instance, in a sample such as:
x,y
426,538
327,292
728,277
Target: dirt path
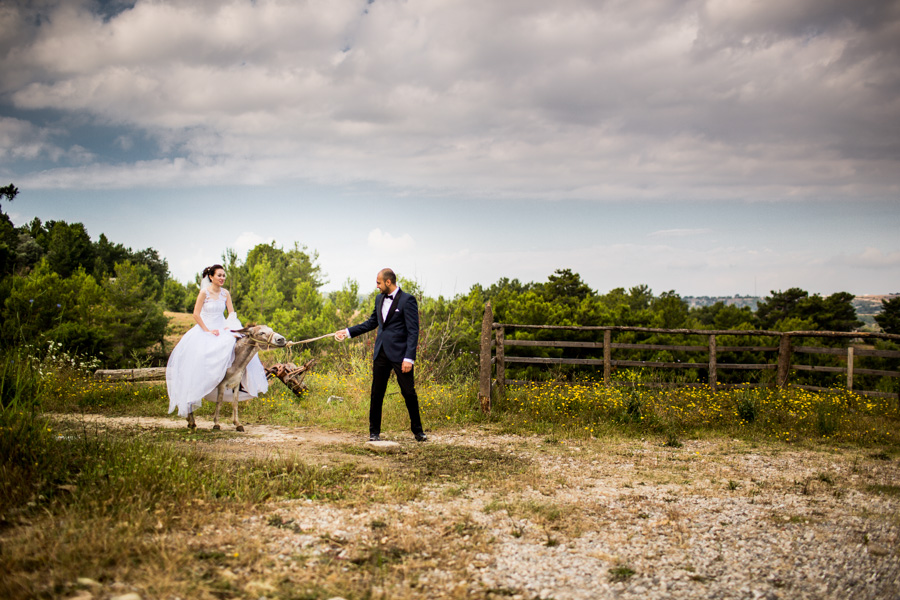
x,y
259,440
256,435
574,520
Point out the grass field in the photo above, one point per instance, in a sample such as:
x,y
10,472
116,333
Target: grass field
x,y
582,410
174,513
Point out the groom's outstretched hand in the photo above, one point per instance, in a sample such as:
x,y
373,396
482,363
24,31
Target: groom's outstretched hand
x,y
340,335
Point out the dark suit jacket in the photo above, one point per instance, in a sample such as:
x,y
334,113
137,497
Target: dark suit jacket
x,y
398,335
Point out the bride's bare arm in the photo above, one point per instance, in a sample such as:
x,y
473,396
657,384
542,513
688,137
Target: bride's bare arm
x,y
228,304
198,306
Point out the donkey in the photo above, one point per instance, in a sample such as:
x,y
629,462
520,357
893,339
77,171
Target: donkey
x,y
253,338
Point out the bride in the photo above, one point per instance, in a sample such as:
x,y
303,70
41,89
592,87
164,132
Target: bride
x,y
199,361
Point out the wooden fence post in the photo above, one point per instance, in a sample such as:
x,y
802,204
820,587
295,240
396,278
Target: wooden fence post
x,y
147,374
501,362
713,375
784,361
484,379
607,356
849,367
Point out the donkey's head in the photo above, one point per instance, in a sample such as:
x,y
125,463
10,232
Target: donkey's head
x,y
262,336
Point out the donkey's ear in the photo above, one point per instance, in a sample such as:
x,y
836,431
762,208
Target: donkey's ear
x,y
242,330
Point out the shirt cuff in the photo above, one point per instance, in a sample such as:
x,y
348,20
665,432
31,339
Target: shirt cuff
x,y
347,333
409,360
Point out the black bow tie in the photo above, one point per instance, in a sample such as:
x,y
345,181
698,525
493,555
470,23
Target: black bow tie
x,y
391,297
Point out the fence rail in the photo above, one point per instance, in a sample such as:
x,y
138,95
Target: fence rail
x,y
493,338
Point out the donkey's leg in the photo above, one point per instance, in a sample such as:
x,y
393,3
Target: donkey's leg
x,y
219,399
234,418
190,419
234,410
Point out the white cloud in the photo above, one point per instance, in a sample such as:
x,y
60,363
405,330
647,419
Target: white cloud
x,y
383,241
871,258
125,142
186,268
510,104
21,140
598,101
249,240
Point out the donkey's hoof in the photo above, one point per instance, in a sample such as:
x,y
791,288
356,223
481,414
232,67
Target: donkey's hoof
x,y
192,426
216,427
240,428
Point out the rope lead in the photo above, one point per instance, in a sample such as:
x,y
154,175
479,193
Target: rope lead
x,y
289,344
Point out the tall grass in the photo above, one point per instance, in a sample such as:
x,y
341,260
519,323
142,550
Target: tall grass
x,y
92,499
78,500
338,398
23,431
786,414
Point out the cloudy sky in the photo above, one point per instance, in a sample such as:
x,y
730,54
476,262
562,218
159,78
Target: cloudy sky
x,y
703,146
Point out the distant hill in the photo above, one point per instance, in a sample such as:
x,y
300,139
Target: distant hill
x,y
739,301
869,306
866,306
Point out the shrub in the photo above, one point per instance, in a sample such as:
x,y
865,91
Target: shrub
x,y
748,406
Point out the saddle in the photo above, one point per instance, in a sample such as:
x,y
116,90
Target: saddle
x,y
291,375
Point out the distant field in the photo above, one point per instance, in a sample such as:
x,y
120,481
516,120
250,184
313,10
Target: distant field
x,y
179,324
866,306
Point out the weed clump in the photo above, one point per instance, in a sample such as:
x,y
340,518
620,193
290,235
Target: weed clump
x,y
634,408
748,406
621,573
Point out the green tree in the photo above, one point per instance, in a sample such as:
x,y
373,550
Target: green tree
x,y
640,297
450,334
157,265
9,192
505,286
307,318
68,247
191,291
237,280
135,319
345,303
175,297
669,311
8,236
106,255
28,252
723,316
889,317
43,306
566,287
832,313
631,309
779,306
263,296
288,267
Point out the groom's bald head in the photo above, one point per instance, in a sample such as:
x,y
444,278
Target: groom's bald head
x,y
388,275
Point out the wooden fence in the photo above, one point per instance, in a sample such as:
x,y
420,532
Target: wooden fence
x,y
155,374
494,355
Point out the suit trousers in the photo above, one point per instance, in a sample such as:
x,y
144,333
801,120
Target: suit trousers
x,y
381,373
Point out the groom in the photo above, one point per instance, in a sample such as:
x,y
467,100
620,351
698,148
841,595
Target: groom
x,y
396,316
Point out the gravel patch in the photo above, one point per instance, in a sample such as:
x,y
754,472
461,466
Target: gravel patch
x,y
716,519
779,533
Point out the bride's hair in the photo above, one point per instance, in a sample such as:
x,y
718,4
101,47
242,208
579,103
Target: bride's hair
x,y
208,272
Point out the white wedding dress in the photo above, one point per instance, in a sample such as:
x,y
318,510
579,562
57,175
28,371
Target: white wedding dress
x,y
199,361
